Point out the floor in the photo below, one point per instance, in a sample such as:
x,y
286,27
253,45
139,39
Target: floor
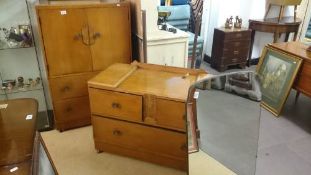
x,y
284,146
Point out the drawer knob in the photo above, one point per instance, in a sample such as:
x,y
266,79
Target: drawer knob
x,y
184,147
66,88
235,52
117,132
116,105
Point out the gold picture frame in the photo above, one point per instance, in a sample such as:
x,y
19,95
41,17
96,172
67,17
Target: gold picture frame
x,y
277,71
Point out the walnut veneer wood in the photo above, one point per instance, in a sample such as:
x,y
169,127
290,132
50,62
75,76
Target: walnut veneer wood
x,y
138,110
303,79
17,135
230,47
80,39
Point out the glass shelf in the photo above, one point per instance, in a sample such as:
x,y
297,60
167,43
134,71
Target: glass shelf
x,y
19,90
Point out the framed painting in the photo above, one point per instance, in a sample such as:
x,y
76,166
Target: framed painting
x,y
277,71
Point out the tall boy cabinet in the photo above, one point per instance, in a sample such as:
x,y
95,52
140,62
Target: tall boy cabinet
x,y
79,40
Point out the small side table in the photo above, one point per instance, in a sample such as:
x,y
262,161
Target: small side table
x,y
230,47
273,25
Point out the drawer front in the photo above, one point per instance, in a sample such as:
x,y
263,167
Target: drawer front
x,y
242,35
115,104
69,87
72,109
236,53
139,137
235,45
171,114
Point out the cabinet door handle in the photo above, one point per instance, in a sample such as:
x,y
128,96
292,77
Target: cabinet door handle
x,y
117,132
96,35
116,105
77,36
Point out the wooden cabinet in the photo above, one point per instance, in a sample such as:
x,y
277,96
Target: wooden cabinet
x,y
80,39
230,47
138,110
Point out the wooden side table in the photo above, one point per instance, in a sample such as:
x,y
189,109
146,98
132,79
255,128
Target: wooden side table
x,y
230,47
17,133
272,25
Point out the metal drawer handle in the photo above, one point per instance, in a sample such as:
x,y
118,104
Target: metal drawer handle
x,y
234,60
238,35
184,147
66,88
117,132
235,52
116,106
69,109
77,36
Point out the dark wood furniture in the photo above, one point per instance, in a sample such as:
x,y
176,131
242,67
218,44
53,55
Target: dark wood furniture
x,y
272,25
138,110
230,47
303,79
17,136
80,39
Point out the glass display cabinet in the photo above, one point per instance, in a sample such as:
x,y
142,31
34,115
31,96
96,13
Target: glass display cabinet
x,y
20,75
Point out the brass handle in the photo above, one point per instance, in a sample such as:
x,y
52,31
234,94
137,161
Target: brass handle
x,y
117,132
235,52
184,147
77,36
69,109
234,60
116,106
66,88
238,35
96,35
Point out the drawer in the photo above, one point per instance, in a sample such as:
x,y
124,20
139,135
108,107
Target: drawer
x,y
236,53
114,104
71,110
171,114
243,35
236,45
69,87
139,137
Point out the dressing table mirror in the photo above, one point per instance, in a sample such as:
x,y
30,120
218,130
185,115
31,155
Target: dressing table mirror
x,y
223,124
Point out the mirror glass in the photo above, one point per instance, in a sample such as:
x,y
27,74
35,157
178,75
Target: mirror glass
x,y
223,123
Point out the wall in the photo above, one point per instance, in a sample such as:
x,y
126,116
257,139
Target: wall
x,y
216,11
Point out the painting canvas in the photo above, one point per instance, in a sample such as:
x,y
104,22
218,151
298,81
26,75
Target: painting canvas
x,y
277,71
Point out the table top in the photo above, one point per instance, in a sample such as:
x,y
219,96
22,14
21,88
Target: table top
x,y
296,48
289,20
139,78
17,130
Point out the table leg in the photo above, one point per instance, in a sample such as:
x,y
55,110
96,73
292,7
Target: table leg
x,y
251,47
295,13
275,37
286,36
295,36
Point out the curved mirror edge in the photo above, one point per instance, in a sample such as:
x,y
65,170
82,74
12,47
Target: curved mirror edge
x,y
223,117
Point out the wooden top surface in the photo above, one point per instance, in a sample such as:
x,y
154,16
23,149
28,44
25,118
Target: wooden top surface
x,y
79,4
289,20
296,48
17,133
233,29
138,78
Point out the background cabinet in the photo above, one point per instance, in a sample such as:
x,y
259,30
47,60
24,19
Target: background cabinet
x,y
18,58
79,40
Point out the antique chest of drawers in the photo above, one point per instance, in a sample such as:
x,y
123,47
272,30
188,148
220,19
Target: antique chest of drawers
x,y
138,110
230,47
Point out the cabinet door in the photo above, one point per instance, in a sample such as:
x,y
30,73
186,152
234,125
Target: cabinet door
x,y
110,35
63,32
